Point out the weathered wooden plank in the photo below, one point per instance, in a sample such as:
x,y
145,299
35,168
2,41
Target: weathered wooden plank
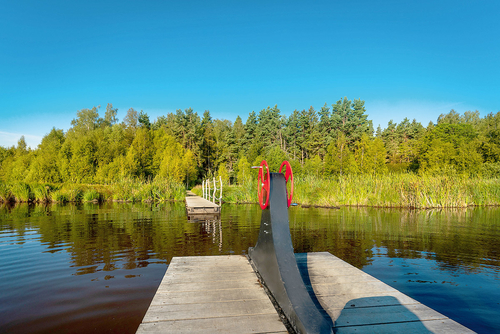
x,y
201,311
189,270
205,260
209,277
433,326
351,288
213,296
367,299
209,286
341,277
386,314
267,323
234,262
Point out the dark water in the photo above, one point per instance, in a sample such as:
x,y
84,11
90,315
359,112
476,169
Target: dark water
x,y
95,268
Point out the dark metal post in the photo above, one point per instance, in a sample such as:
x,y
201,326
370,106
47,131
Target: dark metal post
x,y
275,261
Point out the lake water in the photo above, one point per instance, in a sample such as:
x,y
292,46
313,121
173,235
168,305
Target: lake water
x,y
94,268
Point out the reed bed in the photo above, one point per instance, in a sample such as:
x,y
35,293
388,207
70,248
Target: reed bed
x,y
155,190
246,193
130,190
403,190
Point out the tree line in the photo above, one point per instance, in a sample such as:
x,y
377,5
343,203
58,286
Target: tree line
x,y
336,140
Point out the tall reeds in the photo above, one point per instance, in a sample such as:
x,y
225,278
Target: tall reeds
x,y
155,190
133,190
5,193
405,190
21,192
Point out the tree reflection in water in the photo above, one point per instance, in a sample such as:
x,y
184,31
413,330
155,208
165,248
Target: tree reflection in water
x,y
95,267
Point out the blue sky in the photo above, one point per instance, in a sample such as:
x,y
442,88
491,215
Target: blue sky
x,y
414,59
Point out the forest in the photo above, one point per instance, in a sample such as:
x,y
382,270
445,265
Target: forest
x,y
337,141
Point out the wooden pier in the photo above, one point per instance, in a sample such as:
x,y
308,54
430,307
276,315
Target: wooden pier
x,y
359,303
221,294
196,205
211,294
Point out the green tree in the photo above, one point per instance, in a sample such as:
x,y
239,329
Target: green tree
x,y
45,166
110,115
244,171
223,173
86,121
172,164
207,147
140,154
339,159
189,167
314,166
349,118
16,166
143,120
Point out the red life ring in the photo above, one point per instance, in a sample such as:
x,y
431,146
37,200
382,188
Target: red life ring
x,y
288,178
263,186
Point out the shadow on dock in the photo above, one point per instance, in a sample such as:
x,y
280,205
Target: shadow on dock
x,y
383,314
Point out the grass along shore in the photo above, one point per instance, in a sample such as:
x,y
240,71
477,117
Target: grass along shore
x,y
404,190
130,190
398,190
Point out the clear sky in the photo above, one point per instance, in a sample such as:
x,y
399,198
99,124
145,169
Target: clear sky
x,y
414,59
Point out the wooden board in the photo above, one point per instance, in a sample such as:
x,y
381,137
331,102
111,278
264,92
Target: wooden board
x,y
211,294
359,303
196,205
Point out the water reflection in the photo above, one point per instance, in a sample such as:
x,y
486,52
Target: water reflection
x,y
130,235
214,228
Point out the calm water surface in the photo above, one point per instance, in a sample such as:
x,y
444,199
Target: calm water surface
x,y
95,268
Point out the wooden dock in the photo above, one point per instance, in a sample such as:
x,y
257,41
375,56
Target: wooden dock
x,y
196,205
211,294
359,303
221,294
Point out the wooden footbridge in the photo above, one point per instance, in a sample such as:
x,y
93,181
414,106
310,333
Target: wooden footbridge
x,y
274,290
198,208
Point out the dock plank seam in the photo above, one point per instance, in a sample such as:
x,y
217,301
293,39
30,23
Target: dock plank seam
x,y
177,291
214,301
390,323
215,317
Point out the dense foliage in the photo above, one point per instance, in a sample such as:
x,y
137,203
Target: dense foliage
x,y
186,147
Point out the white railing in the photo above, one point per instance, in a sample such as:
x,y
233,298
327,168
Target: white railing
x,y
207,190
